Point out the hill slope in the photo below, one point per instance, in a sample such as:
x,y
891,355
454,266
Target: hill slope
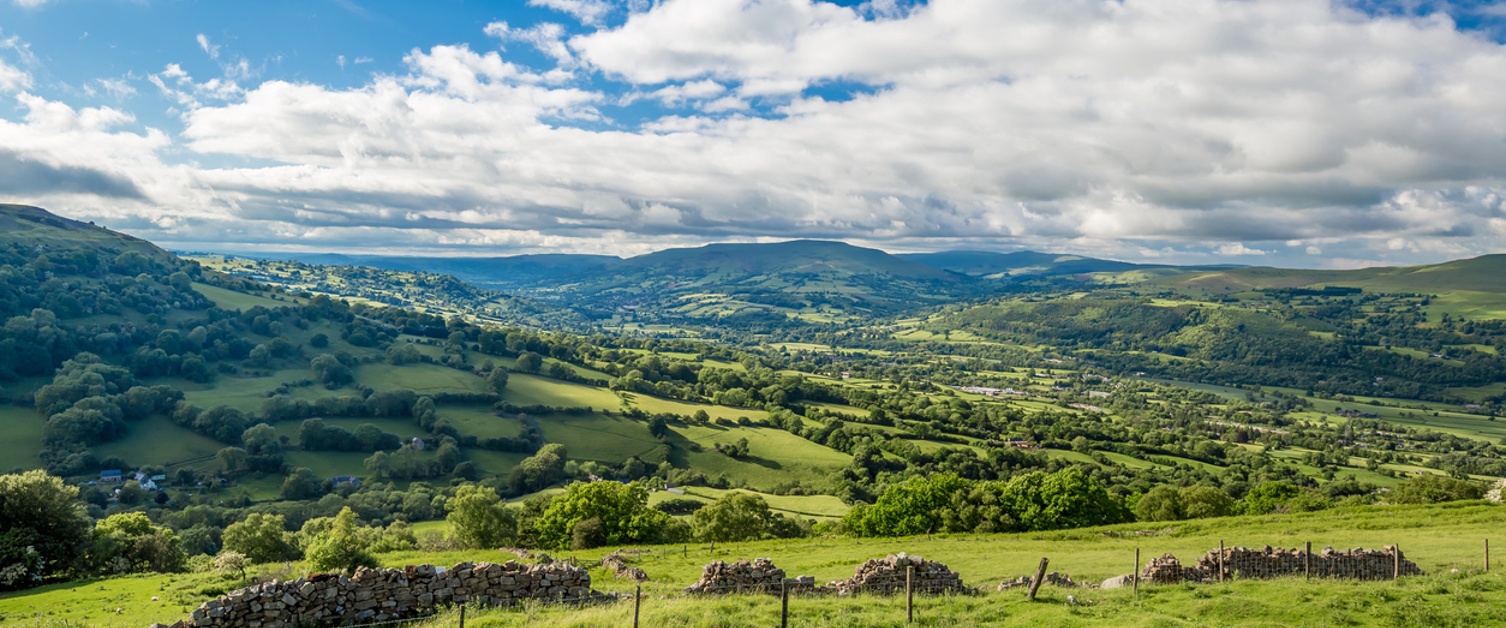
x,y
1486,273
501,273
988,263
798,277
40,231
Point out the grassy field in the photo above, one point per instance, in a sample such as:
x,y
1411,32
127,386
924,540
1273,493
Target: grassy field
x,y
421,378
774,456
528,390
231,300
480,421
328,464
1439,538
600,437
23,436
242,392
157,440
657,405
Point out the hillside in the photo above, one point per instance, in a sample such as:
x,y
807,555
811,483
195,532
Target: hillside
x,y
1020,263
431,292
510,273
1486,273
41,232
805,278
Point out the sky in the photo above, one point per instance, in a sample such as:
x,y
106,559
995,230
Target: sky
x,y
1301,133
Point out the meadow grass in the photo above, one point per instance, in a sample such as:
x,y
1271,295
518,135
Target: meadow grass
x,y
1439,538
479,420
23,437
530,390
657,405
421,378
599,437
157,440
243,392
774,456
232,300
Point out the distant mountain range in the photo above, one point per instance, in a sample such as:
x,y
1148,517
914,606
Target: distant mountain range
x,y
820,279
740,262
716,280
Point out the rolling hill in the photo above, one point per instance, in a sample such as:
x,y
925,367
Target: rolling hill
x,y
43,232
499,273
1019,263
1486,273
801,276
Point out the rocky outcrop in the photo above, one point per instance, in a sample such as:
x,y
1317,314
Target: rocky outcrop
x,y
372,595
886,576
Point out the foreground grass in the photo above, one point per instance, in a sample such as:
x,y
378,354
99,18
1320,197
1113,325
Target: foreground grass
x,y
1430,601
1439,538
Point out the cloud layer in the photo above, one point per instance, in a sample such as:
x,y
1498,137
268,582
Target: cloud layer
x,y
1140,129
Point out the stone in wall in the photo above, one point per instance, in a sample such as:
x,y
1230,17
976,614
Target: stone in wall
x,y
759,576
886,576
1268,562
372,595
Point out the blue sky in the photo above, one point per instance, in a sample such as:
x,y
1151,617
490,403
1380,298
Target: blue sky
x,y
1271,132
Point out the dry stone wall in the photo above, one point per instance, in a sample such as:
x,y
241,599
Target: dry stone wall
x,y
372,595
759,576
880,576
886,576
1268,562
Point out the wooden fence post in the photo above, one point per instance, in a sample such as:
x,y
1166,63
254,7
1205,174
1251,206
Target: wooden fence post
x,y
1307,562
462,616
784,603
1220,560
1396,563
637,600
1040,575
909,593
1487,555
1135,575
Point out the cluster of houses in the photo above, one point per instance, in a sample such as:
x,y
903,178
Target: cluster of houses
x,y
115,476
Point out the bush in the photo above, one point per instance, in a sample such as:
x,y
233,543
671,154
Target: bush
x,y
341,548
1433,489
480,519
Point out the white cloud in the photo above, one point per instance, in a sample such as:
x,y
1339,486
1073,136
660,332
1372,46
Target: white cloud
x,y
1237,248
213,50
1139,127
117,88
589,12
675,95
13,79
546,37
30,4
